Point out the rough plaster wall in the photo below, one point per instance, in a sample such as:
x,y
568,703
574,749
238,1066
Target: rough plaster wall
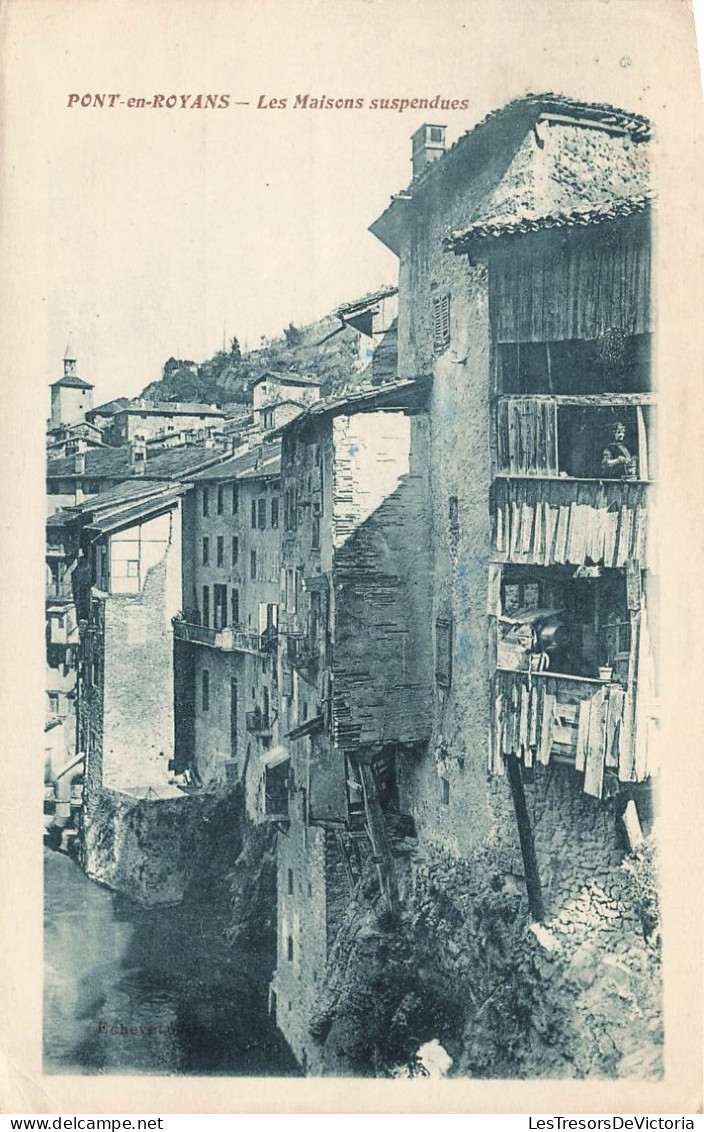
x,y
298,465
212,727
138,723
298,982
382,662
460,467
267,544
372,452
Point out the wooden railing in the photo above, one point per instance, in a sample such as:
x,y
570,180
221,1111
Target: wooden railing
x,y
587,723
548,522
229,639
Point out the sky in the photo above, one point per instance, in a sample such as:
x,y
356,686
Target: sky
x,y
150,233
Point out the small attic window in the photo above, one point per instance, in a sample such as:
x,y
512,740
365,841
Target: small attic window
x,y
436,133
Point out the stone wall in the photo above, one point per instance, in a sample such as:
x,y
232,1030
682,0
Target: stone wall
x,y
148,850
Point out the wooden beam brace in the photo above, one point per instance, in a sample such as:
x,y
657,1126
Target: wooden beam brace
x,y
525,835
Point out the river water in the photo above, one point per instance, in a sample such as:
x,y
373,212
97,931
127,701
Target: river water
x,y
159,991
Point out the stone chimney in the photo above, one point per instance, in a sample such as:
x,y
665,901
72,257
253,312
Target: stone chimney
x,y
79,463
428,144
138,456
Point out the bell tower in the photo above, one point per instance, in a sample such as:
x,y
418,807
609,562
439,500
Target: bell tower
x,y
71,397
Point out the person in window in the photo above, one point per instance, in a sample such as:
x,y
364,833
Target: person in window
x,y
617,460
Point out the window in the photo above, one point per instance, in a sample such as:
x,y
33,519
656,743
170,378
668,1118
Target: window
x,y
219,606
615,362
54,703
454,513
235,499
235,550
290,509
206,501
443,651
262,514
220,550
441,323
445,792
275,512
289,948
253,565
206,550
254,514
290,882
235,603
206,606
221,500
315,539
205,688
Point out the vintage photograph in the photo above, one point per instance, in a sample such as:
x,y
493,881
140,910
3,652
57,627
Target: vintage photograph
x,y
352,624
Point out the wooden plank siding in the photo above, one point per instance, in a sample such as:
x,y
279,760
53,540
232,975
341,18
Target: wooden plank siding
x,y
586,723
553,522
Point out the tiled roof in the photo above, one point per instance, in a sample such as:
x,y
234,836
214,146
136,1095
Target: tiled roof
x,y
286,378
72,382
576,217
109,408
367,301
248,464
114,463
393,395
597,158
173,408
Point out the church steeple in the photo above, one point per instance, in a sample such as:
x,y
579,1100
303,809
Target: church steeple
x,y
70,360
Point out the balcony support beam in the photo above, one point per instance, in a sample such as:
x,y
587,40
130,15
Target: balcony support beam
x,y
525,836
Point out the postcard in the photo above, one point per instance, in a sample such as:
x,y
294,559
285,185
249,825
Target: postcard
x,y
353,411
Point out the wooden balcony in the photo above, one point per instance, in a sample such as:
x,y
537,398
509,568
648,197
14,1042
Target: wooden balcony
x,y
59,593
229,639
257,723
585,723
549,521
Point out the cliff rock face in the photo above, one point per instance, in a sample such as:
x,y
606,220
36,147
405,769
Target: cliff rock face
x,y
505,998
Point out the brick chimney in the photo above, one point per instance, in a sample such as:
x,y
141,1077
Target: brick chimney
x,y
428,144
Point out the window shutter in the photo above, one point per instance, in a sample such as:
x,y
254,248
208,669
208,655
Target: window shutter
x,y
441,322
443,651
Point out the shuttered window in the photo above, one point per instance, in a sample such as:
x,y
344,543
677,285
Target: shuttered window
x,y
441,322
443,651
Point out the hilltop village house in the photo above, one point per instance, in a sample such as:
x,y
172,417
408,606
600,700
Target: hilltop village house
x,y
524,306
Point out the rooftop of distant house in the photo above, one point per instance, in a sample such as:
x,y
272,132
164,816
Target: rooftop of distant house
x,y
109,408
568,162
115,463
262,460
393,396
286,378
171,408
